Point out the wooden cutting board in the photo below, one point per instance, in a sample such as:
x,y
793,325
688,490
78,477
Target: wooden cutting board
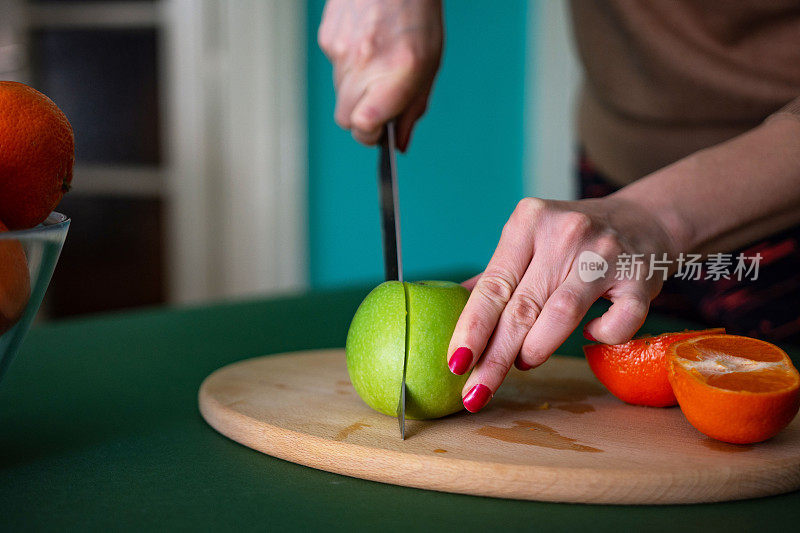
x,y
550,434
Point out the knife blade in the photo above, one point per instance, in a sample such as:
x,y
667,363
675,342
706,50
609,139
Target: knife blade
x,y
390,226
389,203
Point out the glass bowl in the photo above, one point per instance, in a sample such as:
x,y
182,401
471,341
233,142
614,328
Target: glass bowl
x,y
27,260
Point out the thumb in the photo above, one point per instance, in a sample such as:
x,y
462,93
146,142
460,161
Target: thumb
x,y
471,282
621,321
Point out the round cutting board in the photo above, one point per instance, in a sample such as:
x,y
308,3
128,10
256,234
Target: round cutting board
x,y
552,434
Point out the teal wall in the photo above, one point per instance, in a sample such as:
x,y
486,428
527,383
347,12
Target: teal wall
x,y
462,175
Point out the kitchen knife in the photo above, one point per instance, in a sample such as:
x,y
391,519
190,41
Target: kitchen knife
x,y
390,226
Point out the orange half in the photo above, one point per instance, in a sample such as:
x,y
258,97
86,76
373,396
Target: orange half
x,y
734,389
636,371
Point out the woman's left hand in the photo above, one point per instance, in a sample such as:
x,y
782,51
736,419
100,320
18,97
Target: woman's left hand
x,y
532,296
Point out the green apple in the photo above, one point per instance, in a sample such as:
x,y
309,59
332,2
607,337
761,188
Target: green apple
x,y
411,321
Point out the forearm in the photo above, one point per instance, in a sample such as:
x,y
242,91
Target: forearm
x,y
728,195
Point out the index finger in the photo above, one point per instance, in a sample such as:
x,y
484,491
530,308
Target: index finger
x,y
494,287
470,283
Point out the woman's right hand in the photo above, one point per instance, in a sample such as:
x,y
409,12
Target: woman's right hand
x,y
385,55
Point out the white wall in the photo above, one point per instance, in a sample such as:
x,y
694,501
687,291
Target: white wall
x,y
554,76
236,146
12,40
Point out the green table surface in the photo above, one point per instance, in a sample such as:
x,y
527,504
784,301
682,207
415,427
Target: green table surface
x,y
99,430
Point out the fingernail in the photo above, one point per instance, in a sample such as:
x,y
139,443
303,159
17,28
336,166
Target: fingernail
x,y
588,336
521,365
477,397
460,361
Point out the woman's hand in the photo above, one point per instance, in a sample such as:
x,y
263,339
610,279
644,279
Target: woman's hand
x,y
531,295
385,55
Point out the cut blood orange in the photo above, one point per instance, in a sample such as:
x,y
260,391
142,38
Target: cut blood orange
x,y
636,371
734,389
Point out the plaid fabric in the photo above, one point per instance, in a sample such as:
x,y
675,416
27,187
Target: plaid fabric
x,y
767,308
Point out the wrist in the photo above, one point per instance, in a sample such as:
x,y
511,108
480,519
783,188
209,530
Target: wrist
x,y
661,208
728,195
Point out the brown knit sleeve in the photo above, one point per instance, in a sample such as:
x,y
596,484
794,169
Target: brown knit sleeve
x,y
792,108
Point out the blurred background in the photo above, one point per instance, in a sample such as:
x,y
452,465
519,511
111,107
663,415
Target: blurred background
x,y
208,165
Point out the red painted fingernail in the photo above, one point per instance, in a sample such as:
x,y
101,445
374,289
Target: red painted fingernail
x,y
460,361
588,336
477,397
522,365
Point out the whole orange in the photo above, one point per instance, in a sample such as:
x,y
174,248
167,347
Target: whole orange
x,y
636,371
37,149
734,389
15,285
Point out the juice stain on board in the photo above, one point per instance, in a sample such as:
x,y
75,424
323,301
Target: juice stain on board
x,y
576,408
352,428
534,434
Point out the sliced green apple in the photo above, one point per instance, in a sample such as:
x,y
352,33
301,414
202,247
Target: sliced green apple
x,y
415,321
